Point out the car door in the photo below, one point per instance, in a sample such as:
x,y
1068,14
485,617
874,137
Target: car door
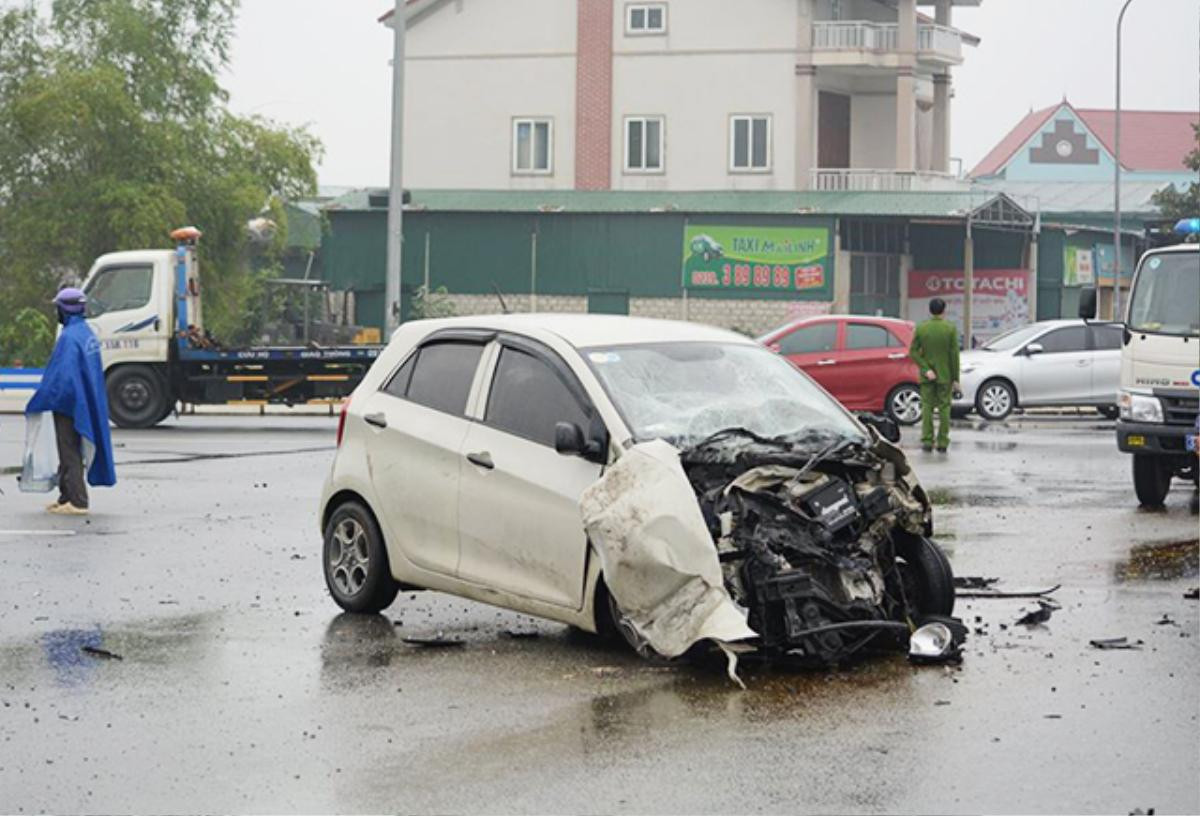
x,y
812,347
519,522
124,313
870,362
1107,340
1061,373
418,422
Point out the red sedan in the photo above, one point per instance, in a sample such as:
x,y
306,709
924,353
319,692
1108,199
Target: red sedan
x,y
862,361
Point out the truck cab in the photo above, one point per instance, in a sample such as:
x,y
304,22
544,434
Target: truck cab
x,y
145,308
1159,396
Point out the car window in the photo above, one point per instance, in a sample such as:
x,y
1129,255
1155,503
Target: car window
x,y
1107,338
866,336
442,374
1060,341
119,288
528,398
895,341
809,339
397,386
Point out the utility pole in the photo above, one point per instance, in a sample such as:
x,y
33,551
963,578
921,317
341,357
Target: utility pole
x,y
395,227
1116,315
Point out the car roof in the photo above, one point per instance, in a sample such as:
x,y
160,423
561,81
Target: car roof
x,y
1174,248
886,321
587,330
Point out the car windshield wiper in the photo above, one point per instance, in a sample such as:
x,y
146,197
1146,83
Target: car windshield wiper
x,y
833,447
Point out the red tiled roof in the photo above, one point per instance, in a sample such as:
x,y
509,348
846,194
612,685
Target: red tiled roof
x,y
1002,152
1150,140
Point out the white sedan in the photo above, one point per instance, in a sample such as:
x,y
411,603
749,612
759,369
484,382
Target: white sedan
x,y
537,463
1049,363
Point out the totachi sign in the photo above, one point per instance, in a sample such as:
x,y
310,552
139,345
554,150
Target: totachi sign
x,y
1000,302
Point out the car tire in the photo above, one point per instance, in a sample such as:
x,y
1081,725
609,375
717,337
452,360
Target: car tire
x,y
1151,480
904,404
613,627
354,560
137,396
928,575
995,400
1109,411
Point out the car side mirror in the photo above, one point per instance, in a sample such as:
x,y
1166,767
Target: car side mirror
x,y
1087,303
885,426
568,439
1034,348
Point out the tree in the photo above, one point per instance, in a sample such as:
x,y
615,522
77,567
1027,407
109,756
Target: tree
x,y
114,129
1174,204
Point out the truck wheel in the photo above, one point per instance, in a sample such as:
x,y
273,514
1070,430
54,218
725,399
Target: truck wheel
x,y
136,397
1151,480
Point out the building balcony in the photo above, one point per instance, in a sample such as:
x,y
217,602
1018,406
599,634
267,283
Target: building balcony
x,y
864,43
889,181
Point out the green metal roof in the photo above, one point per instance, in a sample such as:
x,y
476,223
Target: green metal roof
x,y
950,204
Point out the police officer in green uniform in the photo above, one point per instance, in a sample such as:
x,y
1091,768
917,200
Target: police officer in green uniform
x,y
935,351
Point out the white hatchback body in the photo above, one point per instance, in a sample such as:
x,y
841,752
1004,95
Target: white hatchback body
x,y
470,508
1049,363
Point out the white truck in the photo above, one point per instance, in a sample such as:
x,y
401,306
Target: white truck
x,y
145,309
1159,396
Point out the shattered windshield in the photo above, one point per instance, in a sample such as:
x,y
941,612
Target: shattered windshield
x,y
683,393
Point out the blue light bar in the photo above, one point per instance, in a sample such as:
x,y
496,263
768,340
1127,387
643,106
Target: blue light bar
x,y
1188,226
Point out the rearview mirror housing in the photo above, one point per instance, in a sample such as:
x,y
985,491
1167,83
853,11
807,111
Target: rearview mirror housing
x,y
569,440
1087,303
1034,348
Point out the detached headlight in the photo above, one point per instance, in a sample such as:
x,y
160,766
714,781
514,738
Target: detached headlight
x,y
1139,407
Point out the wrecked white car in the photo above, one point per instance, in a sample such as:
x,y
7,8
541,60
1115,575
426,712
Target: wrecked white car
x,y
669,483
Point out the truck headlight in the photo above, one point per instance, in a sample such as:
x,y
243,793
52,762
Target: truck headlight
x,y
1139,407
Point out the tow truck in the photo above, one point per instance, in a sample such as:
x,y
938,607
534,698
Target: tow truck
x,y
1159,396
146,310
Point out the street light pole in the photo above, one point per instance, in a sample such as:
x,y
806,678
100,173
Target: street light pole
x,y
395,227
1116,315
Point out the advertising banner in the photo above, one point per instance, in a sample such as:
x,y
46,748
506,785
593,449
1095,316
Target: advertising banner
x,y
1078,267
1001,300
780,260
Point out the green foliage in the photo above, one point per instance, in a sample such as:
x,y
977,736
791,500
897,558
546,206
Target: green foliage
x,y
426,303
1175,204
114,130
26,339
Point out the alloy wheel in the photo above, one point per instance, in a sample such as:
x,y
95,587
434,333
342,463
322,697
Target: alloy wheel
x,y
349,557
996,401
906,405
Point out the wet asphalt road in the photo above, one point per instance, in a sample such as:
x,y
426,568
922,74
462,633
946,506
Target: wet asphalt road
x,y
242,689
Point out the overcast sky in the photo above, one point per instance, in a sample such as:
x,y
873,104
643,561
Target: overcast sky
x,y
324,63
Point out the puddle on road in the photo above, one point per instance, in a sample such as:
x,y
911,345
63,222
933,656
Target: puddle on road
x,y
1160,561
944,497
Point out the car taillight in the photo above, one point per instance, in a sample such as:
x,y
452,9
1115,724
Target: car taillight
x,y
342,422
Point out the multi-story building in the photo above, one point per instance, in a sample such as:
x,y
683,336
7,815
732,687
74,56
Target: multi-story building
x,y
680,94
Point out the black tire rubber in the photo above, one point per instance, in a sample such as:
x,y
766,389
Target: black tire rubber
x,y
1108,411
931,573
1151,480
379,588
1012,400
137,396
609,626
887,405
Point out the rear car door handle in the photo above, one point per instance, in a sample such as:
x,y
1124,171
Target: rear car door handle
x,y
482,458
826,362
378,420
897,356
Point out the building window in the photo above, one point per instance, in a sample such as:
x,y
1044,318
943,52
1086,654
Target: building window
x,y
644,144
750,144
646,18
533,146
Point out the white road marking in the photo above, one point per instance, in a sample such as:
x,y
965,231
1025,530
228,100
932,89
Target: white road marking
x,y
38,532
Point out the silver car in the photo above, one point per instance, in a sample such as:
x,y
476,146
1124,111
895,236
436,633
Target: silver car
x,y
1049,363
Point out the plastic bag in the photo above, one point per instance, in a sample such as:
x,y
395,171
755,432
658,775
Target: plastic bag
x,y
39,467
